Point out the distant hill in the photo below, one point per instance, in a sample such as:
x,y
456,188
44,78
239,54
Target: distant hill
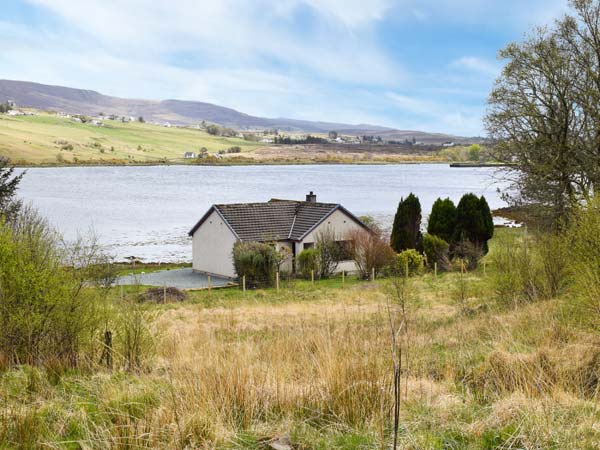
x,y
81,101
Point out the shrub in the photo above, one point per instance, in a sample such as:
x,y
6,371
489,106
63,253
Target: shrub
x,y
529,268
255,261
328,252
369,251
436,251
583,237
406,230
307,262
408,259
46,314
468,253
442,220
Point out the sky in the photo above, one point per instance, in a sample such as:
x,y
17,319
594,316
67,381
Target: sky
x,y
408,64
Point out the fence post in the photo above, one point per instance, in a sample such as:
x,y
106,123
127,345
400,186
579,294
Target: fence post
x,y
244,283
372,273
435,269
164,292
343,279
107,352
312,277
209,286
277,281
484,264
406,268
122,296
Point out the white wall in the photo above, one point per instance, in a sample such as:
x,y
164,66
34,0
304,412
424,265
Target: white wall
x,y
342,225
212,245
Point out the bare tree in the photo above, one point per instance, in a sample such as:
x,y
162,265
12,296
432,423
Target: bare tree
x,y
370,251
545,113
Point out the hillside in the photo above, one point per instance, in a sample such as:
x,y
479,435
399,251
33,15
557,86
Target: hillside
x,y
47,139
81,101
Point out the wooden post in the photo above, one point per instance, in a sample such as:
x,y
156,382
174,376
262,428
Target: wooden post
x,y
372,273
277,281
406,268
209,286
343,279
462,267
312,277
244,283
435,269
107,351
484,264
122,296
164,292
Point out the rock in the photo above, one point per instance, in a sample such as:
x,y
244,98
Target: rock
x,y
279,443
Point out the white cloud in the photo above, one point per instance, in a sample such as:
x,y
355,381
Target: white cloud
x,y
482,66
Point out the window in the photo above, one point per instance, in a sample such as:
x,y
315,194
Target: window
x,y
309,245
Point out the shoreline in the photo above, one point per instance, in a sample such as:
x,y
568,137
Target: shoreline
x,y
241,164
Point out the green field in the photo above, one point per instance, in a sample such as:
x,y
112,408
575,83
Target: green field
x,y
47,139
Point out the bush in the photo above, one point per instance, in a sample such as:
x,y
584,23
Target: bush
x,y
583,237
467,254
328,252
369,251
256,261
408,259
307,262
436,251
529,268
46,314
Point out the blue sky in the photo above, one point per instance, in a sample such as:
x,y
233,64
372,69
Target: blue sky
x,y
408,64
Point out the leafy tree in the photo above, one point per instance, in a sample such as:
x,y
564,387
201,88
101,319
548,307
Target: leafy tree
x,y
141,119
406,230
9,183
442,220
474,221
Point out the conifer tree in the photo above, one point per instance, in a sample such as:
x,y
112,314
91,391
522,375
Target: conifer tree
x,y
442,220
406,231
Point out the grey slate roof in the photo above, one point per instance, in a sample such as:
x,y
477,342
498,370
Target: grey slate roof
x,y
274,220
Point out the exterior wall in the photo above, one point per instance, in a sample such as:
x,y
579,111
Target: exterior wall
x,y
212,245
341,224
286,266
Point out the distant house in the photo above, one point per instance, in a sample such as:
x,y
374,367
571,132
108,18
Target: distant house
x,y
448,144
189,155
286,223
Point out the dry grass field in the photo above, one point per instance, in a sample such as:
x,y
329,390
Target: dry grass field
x,y
312,366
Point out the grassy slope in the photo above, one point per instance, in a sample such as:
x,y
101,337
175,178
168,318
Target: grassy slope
x,y
32,139
313,363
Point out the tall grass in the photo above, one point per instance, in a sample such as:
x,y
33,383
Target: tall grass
x,y
318,368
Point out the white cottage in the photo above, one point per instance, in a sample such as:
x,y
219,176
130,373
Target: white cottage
x,y
287,223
